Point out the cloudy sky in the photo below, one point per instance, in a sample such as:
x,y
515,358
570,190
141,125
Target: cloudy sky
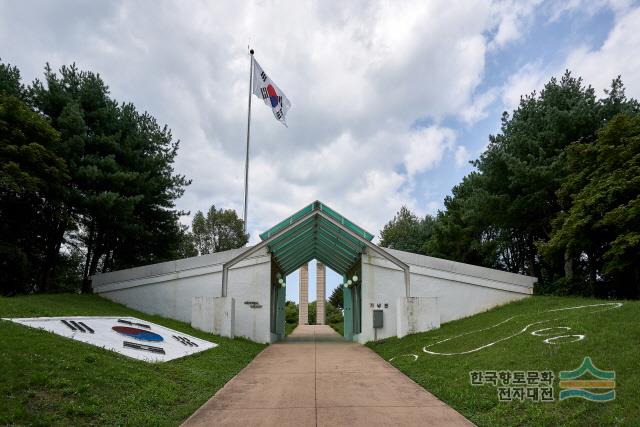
x,y
390,100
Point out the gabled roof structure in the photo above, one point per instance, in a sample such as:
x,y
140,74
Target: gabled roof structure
x,y
316,232
316,238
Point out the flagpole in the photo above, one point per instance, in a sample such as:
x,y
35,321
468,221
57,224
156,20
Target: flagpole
x,y
246,162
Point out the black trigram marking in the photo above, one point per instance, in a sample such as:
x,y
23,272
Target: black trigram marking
x,y
86,327
279,114
143,347
263,76
185,341
69,325
126,322
264,92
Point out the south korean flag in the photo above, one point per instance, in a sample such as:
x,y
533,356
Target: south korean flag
x,y
270,93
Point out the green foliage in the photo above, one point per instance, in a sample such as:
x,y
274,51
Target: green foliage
x,y
338,327
336,299
523,167
524,209
406,232
333,314
458,230
220,230
49,380
291,312
600,228
121,165
289,327
290,316
312,313
10,81
186,246
113,195
32,182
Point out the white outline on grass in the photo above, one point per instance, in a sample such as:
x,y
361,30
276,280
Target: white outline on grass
x,y
415,357
550,340
481,347
609,305
537,333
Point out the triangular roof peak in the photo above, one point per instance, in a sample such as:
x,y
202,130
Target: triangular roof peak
x,y
316,232
319,207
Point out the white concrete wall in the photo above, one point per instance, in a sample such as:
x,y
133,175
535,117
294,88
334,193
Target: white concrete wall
x,y
249,281
416,314
462,289
215,315
168,288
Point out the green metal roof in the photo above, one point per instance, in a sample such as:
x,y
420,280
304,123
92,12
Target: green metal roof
x,y
316,238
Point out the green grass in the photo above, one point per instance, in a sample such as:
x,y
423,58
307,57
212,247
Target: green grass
x,y
48,380
338,327
289,327
612,340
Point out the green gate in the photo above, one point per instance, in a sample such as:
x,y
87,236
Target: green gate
x,y
278,299
352,300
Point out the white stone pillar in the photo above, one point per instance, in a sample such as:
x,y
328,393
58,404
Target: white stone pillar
x,y
303,305
321,293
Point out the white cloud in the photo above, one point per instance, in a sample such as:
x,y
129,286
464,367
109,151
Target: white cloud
x,y
476,110
513,19
529,78
461,156
426,148
618,55
359,75
588,7
432,207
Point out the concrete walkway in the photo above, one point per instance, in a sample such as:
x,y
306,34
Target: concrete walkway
x,y
316,378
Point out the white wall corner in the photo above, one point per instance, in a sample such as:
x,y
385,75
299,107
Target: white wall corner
x,y
417,314
215,315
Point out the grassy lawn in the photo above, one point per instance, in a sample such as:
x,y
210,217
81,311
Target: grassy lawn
x,y
612,340
289,327
48,380
338,327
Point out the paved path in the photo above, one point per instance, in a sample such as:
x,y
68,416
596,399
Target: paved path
x,y
316,378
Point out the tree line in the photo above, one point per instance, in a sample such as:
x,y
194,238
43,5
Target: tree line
x,y
87,185
333,314
556,195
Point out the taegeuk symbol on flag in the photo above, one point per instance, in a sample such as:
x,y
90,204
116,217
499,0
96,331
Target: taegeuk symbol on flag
x,y
265,89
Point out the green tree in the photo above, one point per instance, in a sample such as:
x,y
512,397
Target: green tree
x,y
32,181
600,225
406,232
10,81
120,207
502,214
337,298
291,312
499,214
462,231
525,165
220,230
332,313
312,313
186,247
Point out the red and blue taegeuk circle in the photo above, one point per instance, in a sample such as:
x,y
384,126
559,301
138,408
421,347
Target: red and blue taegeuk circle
x,y
138,334
273,96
